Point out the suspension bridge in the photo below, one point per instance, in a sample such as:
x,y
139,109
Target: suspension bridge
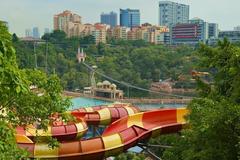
x,y
94,70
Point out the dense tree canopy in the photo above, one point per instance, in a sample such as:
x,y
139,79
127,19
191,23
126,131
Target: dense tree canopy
x,y
135,62
214,131
214,120
18,104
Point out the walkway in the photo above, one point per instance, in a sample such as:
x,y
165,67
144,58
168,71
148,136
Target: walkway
x,y
133,100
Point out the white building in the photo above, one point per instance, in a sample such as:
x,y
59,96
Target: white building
x,y
171,13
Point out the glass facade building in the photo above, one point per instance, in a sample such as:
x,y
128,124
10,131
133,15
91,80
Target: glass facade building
x,y
109,19
129,17
35,32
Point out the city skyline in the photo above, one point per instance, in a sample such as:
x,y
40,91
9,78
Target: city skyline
x,y
40,13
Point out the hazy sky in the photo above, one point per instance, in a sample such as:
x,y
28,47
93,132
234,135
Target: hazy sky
x,y
22,14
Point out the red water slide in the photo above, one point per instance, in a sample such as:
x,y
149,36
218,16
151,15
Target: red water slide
x,y
118,137
98,115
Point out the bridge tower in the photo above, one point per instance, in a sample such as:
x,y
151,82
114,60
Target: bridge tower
x,y
81,56
92,79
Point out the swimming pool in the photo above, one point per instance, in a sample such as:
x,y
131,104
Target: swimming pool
x,y
89,102
82,102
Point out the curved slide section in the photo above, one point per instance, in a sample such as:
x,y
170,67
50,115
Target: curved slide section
x,y
62,132
120,136
96,108
148,120
97,115
105,115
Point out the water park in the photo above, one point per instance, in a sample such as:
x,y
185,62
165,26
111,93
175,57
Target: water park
x,y
104,124
125,126
135,102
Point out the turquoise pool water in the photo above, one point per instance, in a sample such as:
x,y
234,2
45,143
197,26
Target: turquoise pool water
x,y
86,102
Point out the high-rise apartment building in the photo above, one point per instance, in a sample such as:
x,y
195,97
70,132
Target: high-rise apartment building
x,y
100,33
132,35
68,22
118,32
46,30
28,33
129,17
157,34
213,30
171,13
148,33
109,19
87,30
35,32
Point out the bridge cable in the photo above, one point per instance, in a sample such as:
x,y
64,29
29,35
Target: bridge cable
x,y
132,86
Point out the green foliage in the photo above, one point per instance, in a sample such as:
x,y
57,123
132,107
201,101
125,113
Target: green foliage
x,y
214,133
224,64
41,103
15,38
215,117
8,147
130,156
56,36
135,62
18,104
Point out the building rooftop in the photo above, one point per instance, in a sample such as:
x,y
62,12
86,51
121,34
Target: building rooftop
x,y
196,19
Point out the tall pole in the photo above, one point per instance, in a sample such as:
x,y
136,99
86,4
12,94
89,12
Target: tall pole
x,y
92,79
46,56
35,54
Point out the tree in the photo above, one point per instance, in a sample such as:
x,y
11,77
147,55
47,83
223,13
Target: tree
x,y
136,62
224,64
214,120
130,156
15,37
55,36
18,104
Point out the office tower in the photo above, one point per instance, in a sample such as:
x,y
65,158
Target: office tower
x,y
28,33
129,17
35,32
213,30
237,28
190,33
232,36
68,22
109,19
171,13
46,30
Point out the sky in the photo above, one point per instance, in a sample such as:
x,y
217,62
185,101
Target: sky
x,y
23,14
